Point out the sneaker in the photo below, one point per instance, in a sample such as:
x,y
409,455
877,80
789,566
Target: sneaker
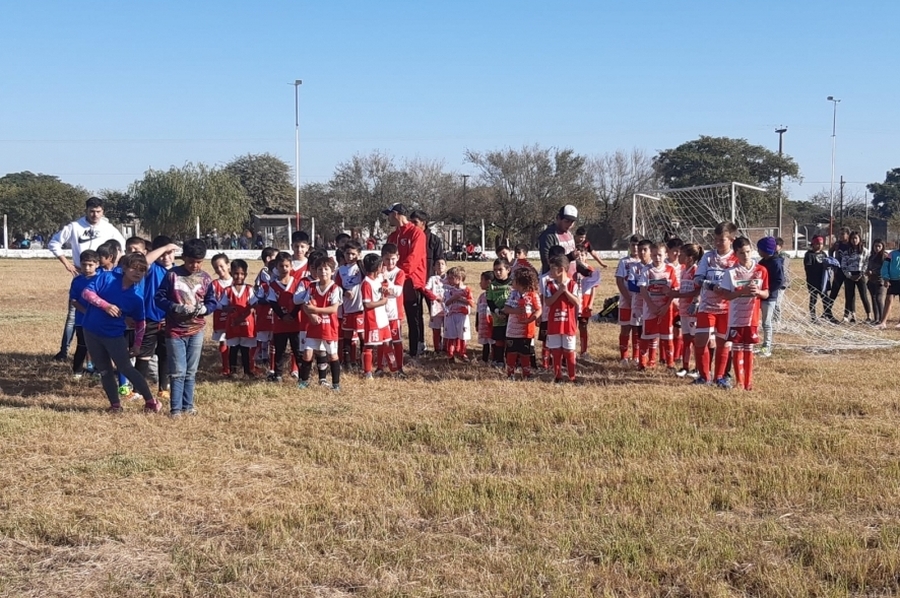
x,y
498,364
324,382
400,375
114,408
693,374
724,383
336,387
303,384
163,395
698,381
192,411
60,357
274,378
681,373
77,376
89,367
767,352
463,357
133,396
625,363
124,390
368,376
558,381
152,407
511,378
295,374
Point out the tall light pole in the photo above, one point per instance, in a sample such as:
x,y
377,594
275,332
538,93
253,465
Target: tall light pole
x,y
465,178
781,131
297,84
834,101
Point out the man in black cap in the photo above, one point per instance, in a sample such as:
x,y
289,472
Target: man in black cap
x,y
412,249
558,233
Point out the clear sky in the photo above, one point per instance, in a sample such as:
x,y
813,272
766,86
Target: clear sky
x,y
97,92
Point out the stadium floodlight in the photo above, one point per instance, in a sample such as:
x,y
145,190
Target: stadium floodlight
x,y
835,102
297,83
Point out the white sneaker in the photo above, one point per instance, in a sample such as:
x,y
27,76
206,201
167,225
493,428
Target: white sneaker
x,y
681,373
625,363
766,352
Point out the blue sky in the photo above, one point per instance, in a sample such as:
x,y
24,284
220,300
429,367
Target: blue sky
x,y
98,95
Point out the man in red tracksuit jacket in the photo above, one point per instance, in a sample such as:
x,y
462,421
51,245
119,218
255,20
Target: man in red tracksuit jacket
x,y
411,245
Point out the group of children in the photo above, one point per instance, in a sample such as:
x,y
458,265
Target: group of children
x,y
681,303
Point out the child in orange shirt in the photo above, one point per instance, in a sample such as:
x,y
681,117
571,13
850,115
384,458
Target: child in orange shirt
x,y
524,309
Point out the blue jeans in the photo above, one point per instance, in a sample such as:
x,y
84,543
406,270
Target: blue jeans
x,y
68,331
184,359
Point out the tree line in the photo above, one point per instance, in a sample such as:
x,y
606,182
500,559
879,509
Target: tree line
x,y
516,192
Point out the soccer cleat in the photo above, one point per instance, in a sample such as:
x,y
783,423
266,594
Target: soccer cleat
x,y
625,363
558,381
114,408
698,381
368,376
274,378
61,357
77,376
681,373
336,388
463,357
324,382
295,374
303,384
400,375
724,383
767,352
152,407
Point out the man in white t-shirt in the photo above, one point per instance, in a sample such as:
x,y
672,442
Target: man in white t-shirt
x,y
88,232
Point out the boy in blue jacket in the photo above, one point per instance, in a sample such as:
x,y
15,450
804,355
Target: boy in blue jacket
x,y
774,265
890,273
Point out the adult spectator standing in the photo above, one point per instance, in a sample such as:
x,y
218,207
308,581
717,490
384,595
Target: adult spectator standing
x,y
558,233
412,248
88,232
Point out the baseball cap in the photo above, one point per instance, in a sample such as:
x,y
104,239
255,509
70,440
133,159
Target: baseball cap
x,y
568,211
397,207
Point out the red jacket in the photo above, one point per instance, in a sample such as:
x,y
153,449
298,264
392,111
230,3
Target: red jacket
x,y
411,243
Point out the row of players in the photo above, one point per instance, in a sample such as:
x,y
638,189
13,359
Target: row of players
x,y
715,296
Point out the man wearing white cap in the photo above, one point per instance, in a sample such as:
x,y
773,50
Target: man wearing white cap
x,y
558,233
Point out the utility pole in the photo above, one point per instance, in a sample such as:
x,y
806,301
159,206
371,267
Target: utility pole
x,y
465,178
781,131
842,202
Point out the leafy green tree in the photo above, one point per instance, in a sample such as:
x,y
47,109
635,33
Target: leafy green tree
x,y
886,195
266,179
39,202
528,186
169,202
363,186
118,206
710,160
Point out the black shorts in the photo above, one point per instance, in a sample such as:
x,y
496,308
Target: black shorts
x,y
522,346
154,335
498,334
894,287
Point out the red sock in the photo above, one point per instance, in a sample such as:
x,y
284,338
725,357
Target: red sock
x,y
748,370
294,367
687,343
354,350
668,352
252,359
635,343
398,355
651,353
583,334
623,343
386,353
722,354
511,359
556,355
451,348
461,349
570,365
677,344
223,353
545,356
436,339
737,364
644,349
368,358
702,358
525,364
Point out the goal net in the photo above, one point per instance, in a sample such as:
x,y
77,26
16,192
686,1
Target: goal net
x,y
692,213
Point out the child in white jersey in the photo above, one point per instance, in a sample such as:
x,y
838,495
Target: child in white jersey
x,y
349,277
687,305
376,327
744,285
673,251
712,312
435,287
622,273
219,263
458,302
395,279
635,271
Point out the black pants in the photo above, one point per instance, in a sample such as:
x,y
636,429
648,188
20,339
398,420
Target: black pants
x,y
877,290
80,351
851,289
836,285
245,358
415,323
154,343
281,340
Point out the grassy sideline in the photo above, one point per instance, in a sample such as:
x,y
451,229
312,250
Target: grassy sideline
x,y
452,483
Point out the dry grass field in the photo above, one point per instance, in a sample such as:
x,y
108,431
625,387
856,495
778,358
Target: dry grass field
x,y
454,482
